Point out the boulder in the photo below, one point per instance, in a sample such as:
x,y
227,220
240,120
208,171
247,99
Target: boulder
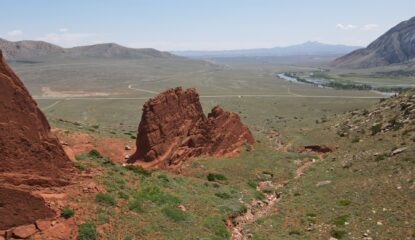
x,y
24,231
43,225
173,128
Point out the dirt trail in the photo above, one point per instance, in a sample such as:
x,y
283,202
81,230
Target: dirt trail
x,y
260,208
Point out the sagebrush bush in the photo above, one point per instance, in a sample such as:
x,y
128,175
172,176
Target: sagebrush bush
x,y
139,170
87,231
223,195
216,177
174,213
67,212
105,198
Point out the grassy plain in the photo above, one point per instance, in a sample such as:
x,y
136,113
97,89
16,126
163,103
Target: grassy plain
x,y
104,97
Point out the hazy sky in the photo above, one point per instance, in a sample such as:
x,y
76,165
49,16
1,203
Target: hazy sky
x,y
201,24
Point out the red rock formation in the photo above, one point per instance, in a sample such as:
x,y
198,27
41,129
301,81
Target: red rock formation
x,y
26,145
29,155
174,128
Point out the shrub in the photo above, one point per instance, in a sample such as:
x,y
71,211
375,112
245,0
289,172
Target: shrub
x,y
268,190
81,156
102,216
135,205
80,166
139,170
294,232
67,212
216,224
87,231
344,202
259,195
123,195
223,195
174,213
105,199
114,182
94,154
380,157
339,234
216,177
311,215
163,178
340,220
252,183
258,237
106,162
215,185
156,195
376,128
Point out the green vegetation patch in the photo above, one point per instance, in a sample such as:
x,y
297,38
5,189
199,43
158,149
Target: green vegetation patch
x,y
105,199
174,213
87,231
211,177
67,212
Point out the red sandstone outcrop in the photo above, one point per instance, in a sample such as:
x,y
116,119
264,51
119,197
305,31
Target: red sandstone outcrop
x,y
30,157
174,128
26,145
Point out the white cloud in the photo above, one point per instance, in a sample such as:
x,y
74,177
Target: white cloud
x,y
66,39
346,26
15,33
63,30
369,27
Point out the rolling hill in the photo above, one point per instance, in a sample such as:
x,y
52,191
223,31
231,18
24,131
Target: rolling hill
x,y
305,49
25,50
395,46
34,50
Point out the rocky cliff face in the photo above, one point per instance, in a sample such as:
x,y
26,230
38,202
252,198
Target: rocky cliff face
x,y
173,128
395,46
29,155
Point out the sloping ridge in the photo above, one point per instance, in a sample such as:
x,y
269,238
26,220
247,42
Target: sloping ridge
x,y
395,46
36,50
29,154
26,50
305,49
112,50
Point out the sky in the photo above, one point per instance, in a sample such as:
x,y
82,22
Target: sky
x,y
201,24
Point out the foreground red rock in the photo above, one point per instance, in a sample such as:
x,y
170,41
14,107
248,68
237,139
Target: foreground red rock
x,y
30,157
24,231
173,128
26,145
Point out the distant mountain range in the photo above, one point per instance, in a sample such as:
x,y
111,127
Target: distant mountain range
x,y
305,49
395,46
32,50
